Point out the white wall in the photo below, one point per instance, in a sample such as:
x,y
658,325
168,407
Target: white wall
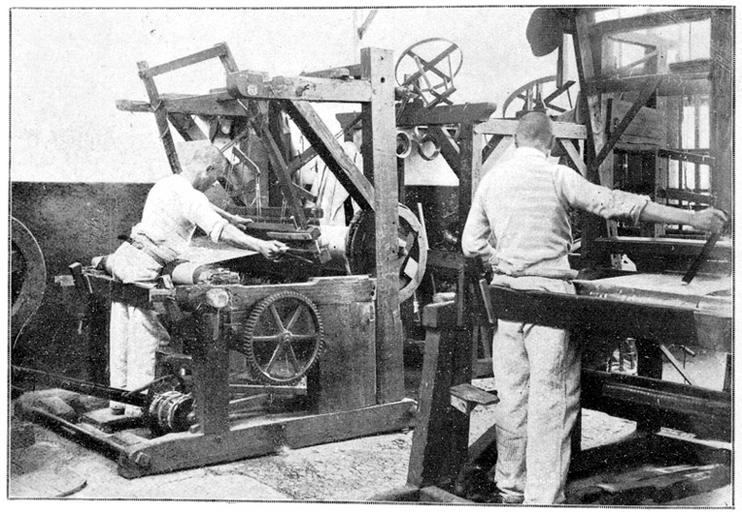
x,y
69,66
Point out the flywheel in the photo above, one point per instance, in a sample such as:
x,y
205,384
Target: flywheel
x,y
412,248
282,338
27,276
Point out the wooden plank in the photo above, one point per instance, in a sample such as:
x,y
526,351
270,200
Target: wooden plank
x,y
471,393
324,290
449,149
261,436
330,150
508,127
651,20
497,152
186,126
662,247
210,53
133,106
673,84
204,105
345,376
380,165
447,114
405,493
722,106
351,70
573,155
244,84
160,117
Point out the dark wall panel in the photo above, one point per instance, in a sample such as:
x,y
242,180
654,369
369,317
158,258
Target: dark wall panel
x,y
71,222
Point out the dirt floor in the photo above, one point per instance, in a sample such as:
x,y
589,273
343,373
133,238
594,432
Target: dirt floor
x,y
352,470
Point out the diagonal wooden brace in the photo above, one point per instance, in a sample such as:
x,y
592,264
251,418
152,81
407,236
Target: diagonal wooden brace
x,y
649,88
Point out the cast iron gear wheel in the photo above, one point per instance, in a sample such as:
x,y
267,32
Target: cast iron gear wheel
x,y
282,338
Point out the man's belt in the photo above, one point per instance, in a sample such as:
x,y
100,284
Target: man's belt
x,y
136,244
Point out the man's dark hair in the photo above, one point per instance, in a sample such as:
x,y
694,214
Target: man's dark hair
x,y
535,127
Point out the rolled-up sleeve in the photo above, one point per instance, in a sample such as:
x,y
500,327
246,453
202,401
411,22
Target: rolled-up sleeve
x,y
579,193
477,230
198,210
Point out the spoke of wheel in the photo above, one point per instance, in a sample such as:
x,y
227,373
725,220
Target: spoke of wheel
x,y
273,359
292,358
276,317
274,337
294,317
303,337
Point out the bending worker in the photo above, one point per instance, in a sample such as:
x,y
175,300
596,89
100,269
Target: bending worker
x,y
174,207
519,224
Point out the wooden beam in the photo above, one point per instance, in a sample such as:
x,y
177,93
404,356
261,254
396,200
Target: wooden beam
x,y
651,20
662,247
673,84
508,127
332,152
351,70
186,126
722,106
647,91
163,126
380,164
246,84
449,149
133,106
574,156
218,50
220,104
447,114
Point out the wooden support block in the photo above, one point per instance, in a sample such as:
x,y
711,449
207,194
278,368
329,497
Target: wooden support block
x,y
465,397
508,127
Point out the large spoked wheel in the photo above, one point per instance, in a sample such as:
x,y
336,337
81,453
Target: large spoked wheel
x,y
27,276
282,338
542,94
412,248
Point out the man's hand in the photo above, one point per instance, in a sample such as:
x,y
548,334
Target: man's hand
x,y
272,249
709,219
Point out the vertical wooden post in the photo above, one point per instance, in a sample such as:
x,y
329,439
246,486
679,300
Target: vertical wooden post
x,y
160,116
380,165
722,106
596,128
470,166
211,374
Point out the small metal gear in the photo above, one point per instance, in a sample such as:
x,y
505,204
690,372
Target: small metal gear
x,y
282,338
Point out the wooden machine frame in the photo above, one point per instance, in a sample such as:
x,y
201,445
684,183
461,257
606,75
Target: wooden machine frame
x,y
350,400
441,452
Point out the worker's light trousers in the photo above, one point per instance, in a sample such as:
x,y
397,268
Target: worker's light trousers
x,y
135,332
537,375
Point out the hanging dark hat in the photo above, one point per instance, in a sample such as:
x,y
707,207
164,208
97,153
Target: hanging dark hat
x,y
546,28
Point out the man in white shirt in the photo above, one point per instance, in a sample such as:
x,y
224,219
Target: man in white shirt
x,y
175,206
519,224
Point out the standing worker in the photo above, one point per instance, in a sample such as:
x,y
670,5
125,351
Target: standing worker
x,y
519,224
175,206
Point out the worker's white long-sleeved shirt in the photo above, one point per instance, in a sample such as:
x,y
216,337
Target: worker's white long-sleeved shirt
x,y
519,219
171,213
